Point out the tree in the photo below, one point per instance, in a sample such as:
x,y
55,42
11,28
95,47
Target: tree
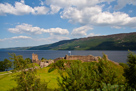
x,y
2,66
130,73
5,65
28,60
25,75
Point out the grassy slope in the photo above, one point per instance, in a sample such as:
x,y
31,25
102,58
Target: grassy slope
x,y
109,42
7,83
123,41
49,77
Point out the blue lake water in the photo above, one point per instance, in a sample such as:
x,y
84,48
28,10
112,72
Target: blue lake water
x,y
117,56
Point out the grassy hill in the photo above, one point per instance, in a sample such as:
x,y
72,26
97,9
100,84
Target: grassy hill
x,y
123,41
7,82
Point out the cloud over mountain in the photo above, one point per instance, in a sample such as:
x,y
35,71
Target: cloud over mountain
x,y
27,28
16,37
81,31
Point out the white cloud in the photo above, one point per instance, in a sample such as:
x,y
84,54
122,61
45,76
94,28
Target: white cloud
x,y
56,5
81,31
22,1
117,27
57,31
84,12
21,8
40,10
76,3
90,12
95,16
80,16
41,2
92,34
54,9
27,28
21,37
16,37
122,3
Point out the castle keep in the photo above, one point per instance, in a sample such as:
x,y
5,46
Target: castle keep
x,y
35,58
42,63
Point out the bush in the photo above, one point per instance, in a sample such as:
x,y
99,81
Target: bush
x,y
91,75
61,64
109,87
125,66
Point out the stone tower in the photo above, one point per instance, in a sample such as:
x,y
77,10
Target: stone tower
x,y
35,58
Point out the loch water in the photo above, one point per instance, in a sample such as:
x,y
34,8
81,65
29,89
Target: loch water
x,y
117,56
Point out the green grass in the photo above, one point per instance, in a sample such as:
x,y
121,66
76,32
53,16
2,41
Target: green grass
x,y
49,77
7,83
4,72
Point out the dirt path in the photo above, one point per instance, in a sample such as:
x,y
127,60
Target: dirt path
x,y
6,73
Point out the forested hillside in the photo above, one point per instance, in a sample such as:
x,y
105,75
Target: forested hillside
x,y
109,42
123,41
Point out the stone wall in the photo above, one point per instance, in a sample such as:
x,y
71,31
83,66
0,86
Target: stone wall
x,y
46,63
78,57
82,58
58,59
88,58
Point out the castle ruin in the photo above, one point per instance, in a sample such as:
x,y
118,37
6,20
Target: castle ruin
x,y
45,63
41,63
35,58
78,57
88,58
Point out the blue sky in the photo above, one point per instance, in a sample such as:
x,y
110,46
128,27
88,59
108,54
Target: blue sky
x,y
37,22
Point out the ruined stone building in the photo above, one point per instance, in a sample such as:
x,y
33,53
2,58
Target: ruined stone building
x,y
35,58
43,63
88,58
78,57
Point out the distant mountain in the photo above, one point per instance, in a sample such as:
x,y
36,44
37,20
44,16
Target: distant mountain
x,y
122,41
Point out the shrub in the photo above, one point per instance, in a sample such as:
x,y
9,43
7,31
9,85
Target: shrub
x,y
62,64
125,66
91,75
109,87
